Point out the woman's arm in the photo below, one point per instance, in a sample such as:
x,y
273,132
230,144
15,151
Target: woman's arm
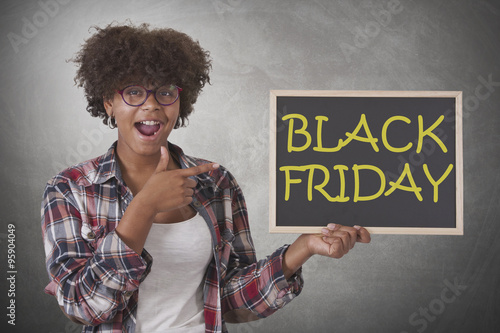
x,y
91,280
92,277
267,285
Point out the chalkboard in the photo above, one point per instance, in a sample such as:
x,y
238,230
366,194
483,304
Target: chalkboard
x,y
390,161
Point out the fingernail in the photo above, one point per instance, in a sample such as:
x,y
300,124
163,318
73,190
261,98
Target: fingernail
x,y
325,231
357,227
215,166
331,226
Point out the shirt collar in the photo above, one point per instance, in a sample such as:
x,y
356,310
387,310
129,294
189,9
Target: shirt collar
x,y
107,166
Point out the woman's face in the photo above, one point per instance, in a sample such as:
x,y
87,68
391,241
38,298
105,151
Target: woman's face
x,y
143,129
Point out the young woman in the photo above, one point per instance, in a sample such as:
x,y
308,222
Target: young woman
x,y
145,238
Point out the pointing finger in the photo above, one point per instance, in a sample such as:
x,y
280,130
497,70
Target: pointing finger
x,y
199,169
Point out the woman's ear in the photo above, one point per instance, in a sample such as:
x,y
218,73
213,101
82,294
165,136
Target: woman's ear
x,y
108,105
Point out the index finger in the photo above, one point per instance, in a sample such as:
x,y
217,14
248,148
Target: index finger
x,y
196,170
363,235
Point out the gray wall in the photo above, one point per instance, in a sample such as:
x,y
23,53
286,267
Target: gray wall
x,y
396,283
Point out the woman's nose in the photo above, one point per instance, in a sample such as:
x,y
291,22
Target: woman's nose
x,y
151,103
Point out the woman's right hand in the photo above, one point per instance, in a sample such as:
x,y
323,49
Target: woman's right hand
x,y
167,189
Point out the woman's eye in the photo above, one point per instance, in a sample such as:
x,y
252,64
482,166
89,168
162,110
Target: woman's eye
x,y
134,92
164,93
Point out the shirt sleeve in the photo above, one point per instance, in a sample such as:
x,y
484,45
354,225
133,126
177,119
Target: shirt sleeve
x,y
258,286
90,282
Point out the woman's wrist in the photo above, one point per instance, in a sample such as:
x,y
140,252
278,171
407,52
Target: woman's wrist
x,y
143,201
296,255
134,226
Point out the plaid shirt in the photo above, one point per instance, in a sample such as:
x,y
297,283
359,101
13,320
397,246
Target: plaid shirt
x,y
95,276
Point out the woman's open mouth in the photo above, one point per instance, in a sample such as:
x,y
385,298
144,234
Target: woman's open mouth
x,y
148,127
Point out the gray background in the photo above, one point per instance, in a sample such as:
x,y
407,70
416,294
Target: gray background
x,y
258,46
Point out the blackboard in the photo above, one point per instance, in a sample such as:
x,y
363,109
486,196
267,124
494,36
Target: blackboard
x,y
390,161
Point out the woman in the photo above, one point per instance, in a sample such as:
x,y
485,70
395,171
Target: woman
x,y
104,220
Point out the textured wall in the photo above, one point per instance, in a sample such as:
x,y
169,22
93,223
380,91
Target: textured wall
x,y
397,283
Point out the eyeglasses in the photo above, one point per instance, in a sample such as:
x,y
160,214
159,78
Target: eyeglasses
x,y
137,95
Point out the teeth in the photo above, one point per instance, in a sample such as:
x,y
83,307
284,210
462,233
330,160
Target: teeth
x,y
150,122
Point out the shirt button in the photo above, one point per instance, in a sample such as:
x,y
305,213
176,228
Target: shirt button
x,y
91,235
216,248
197,204
128,293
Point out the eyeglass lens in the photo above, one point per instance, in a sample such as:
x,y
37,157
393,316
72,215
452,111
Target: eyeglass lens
x,y
137,95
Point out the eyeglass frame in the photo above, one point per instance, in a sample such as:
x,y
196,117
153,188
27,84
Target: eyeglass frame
x,y
148,92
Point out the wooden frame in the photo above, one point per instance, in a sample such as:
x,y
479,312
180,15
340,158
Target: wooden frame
x,y
457,95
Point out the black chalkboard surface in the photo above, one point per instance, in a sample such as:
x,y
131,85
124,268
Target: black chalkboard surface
x,y
390,161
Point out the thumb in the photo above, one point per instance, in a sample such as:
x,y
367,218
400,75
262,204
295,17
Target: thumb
x,y
162,164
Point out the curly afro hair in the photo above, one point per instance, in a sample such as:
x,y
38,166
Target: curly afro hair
x,y
118,54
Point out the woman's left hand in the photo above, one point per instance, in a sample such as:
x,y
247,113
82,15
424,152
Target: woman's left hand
x,y
336,240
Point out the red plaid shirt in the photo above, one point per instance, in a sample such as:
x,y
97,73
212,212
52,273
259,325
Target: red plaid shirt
x,y
95,276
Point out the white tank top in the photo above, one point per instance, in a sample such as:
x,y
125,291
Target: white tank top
x,y
171,296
